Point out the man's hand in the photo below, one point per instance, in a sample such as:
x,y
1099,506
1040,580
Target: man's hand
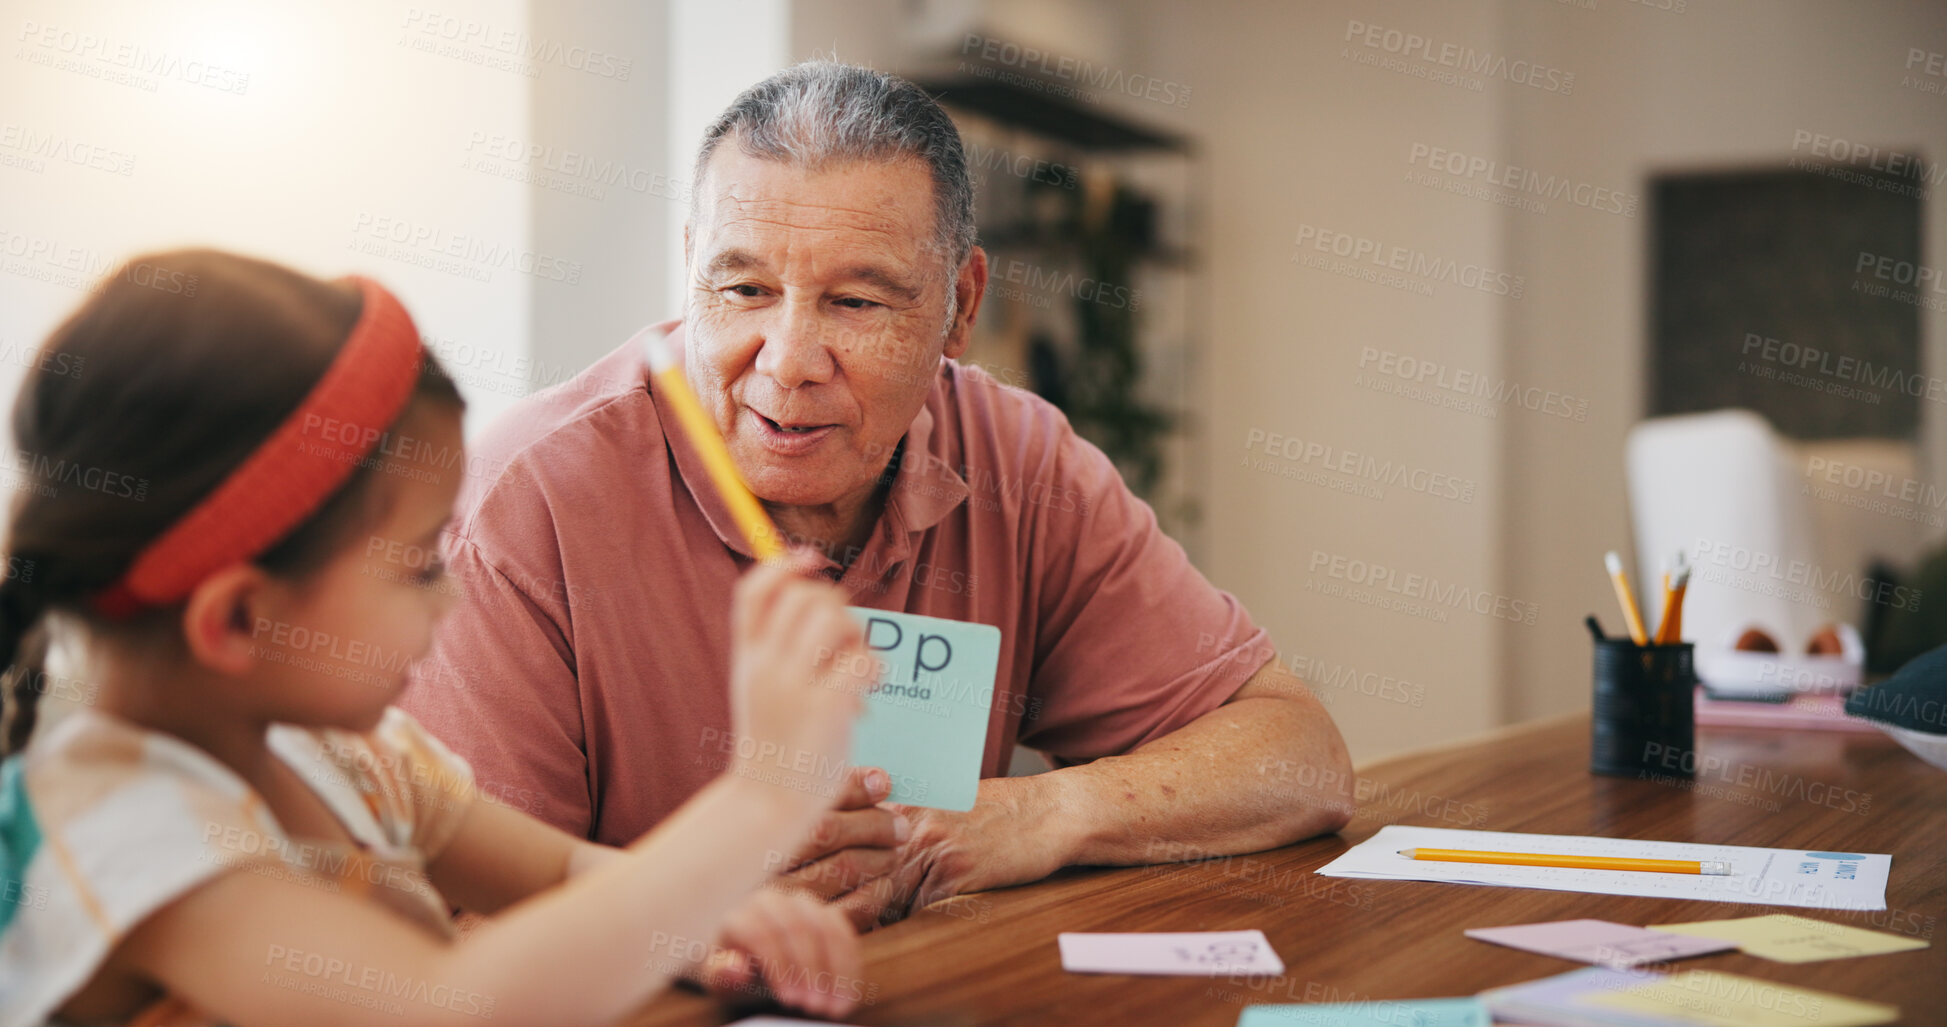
x,y
854,842
799,948
1265,769
1013,835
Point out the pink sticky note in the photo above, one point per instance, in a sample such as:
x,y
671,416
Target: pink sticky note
x,y
1599,942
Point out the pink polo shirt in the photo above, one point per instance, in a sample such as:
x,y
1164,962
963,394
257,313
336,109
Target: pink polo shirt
x,y
585,675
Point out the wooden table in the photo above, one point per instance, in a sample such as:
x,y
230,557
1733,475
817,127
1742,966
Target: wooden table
x,y
991,958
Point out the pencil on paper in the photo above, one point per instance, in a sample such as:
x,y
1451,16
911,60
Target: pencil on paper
x,y
744,507
1715,867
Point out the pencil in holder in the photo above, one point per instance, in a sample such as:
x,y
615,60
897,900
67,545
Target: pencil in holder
x,y
1643,720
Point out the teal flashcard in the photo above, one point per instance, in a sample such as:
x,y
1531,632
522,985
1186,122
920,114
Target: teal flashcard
x,y
926,723
1437,1012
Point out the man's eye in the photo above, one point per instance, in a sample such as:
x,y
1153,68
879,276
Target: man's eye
x,y
746,290
855,303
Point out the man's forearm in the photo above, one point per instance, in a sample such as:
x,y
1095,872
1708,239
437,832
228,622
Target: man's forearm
x,y
1266,769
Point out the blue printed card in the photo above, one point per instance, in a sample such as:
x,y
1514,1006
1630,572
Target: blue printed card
x,y
926,722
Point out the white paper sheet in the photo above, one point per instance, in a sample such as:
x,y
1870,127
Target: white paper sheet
x,y
1817,878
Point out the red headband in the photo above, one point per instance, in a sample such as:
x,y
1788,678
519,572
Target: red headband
x,y
293,471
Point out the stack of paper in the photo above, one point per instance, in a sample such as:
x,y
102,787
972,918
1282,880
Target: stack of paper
x,y
1694,998
1601,942
1795,939
1779,936
1773,877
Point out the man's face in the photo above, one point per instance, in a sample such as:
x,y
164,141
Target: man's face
x,y
817,316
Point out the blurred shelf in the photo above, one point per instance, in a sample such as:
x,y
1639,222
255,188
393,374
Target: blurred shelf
x,y
1022,239
1050,114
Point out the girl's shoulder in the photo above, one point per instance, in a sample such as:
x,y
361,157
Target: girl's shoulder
x,y
396,788
94,781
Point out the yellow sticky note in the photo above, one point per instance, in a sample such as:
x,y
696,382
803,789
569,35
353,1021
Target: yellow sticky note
x,y
1728,1000
1795,939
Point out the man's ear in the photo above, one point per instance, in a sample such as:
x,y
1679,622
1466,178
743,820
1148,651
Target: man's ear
x,y
968,290
222,618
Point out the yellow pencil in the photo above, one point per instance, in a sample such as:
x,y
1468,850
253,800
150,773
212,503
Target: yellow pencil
x,y
1673,622
744,507
1669,630
1716,867
1663,617
1626,598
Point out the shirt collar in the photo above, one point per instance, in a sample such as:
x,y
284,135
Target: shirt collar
x,y
925,487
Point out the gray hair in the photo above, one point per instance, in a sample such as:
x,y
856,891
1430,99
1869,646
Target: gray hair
x,y
822,112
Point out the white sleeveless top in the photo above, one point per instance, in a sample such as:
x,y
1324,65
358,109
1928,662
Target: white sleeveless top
x,y
103,822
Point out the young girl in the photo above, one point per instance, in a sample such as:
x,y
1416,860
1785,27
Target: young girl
x,y
236,825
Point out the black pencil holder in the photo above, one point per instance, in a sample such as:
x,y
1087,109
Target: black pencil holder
x,y
1643,720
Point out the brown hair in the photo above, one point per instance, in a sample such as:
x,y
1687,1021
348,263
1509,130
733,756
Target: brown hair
x,y
170,376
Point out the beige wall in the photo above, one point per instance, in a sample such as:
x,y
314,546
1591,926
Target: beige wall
x,y
1724,84
1297,135
621,233
337,134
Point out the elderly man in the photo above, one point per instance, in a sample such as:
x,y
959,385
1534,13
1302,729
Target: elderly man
x,y
832,280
